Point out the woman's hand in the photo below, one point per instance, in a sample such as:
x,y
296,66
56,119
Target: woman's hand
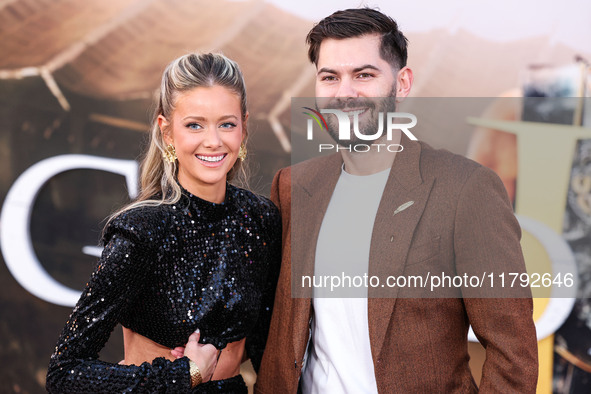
x,y
178,352
205,356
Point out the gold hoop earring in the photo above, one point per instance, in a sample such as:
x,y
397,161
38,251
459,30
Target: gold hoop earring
x,y
242,152
169,154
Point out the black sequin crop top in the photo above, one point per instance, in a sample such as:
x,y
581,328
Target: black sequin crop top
x,y
165,271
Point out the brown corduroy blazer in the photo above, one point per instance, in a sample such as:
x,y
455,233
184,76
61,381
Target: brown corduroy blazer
x,y
461,220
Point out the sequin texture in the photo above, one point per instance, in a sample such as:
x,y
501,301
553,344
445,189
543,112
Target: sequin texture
x,y
164,272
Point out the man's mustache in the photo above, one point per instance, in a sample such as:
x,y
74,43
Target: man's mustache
x,y
349,104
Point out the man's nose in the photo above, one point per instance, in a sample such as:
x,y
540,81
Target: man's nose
x,y
346,89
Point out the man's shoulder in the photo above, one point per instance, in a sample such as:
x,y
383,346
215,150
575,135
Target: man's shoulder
x,y
444,159
334,159
455,171
306,168
443,163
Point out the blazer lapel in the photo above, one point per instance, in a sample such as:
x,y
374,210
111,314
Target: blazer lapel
x,y
312,188
399,212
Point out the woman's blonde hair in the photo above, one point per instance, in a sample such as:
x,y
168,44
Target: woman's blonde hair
x,y
158,176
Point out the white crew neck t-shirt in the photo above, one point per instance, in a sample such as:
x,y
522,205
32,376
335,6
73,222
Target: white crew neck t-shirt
x,y
339,357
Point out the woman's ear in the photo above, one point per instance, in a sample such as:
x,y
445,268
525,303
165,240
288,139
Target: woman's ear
x,y
164,129
244,130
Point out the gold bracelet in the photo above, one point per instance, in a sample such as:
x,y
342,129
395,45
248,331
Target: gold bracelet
x,y
196,377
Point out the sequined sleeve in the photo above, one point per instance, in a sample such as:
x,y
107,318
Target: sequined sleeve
x,y
115,282
256,340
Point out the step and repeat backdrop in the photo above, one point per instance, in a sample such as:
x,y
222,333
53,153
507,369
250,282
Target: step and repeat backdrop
x,y
77,82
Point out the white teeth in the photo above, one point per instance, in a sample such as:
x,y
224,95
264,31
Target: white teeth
x,y
211,159
355,111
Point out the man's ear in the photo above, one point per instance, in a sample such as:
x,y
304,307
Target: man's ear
x,y
164,129
404,80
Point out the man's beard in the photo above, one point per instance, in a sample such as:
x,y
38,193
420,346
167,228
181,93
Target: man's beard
x,y
368,122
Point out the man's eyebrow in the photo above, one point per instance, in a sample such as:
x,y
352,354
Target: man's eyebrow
x,y
365,66
326,70
355,70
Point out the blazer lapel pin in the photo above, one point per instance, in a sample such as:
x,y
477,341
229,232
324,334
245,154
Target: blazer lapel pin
x,y
403,207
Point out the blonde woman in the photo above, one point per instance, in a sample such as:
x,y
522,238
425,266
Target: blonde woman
x,y
192,263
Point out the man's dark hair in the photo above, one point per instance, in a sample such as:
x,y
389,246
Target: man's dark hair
x,y
356,22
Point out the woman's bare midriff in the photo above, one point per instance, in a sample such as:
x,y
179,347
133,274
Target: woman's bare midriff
x,y
139,349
